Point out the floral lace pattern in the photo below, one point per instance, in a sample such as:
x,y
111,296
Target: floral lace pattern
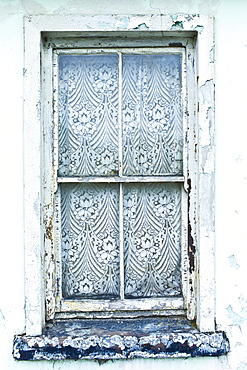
x,y
90,240
88,115
152,224
152,114
152,144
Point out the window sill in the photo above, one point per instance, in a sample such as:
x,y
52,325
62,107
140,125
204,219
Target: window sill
x,y
94,339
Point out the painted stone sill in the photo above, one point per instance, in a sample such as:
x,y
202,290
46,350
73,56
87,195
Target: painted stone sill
x,y
120,339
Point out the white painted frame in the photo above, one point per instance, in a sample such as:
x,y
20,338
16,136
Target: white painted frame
x,y
67,308
201,169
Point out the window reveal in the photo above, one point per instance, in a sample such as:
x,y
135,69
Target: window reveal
x,y
120,174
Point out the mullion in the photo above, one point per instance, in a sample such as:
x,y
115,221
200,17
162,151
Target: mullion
x,y
120,154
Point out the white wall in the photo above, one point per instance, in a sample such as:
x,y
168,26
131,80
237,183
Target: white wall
x,y
231,172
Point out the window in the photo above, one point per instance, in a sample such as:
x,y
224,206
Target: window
x,y
119,177
121,204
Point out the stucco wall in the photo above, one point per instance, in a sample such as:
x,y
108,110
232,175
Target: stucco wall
x,y
231,172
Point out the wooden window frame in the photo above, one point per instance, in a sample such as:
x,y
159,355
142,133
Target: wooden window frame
x,y
67,308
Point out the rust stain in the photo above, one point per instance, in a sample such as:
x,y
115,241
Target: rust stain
x,y
49,229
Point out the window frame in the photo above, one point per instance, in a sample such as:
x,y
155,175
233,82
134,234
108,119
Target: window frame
x,y
65,308
40,33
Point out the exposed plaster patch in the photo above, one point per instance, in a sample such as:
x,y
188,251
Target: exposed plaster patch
x,y
233,262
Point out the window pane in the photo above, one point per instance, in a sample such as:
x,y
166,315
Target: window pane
x,y
88,115
152,114
90,240
152,238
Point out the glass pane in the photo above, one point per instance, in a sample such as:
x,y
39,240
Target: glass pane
x,y
152,114
152,226
90,240
88,115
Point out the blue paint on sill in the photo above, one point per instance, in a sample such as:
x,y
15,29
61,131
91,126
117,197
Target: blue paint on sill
x,y
95,339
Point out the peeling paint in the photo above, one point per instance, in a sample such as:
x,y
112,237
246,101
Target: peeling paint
x,y
206,93
141,26
191,244
199,29
120,339
136,22
177,25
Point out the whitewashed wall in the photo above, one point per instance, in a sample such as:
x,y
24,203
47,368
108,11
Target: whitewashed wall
x,y
231,173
